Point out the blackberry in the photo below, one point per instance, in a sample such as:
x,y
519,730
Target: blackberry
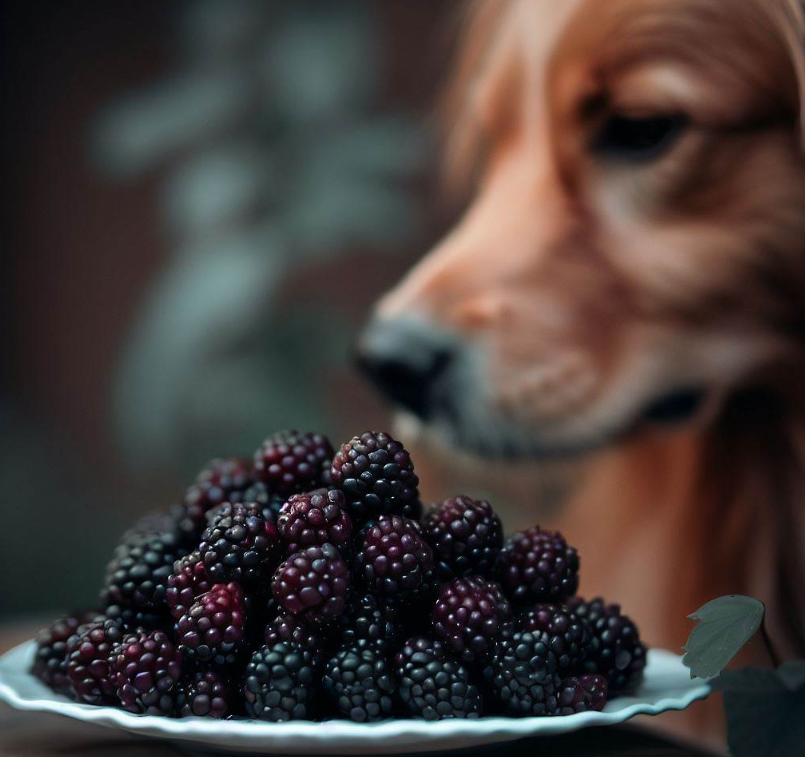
x,y
312,584
571,635
203,694
616,651
469,615
279,683
465,536
89,669
216,483
137,576
145,672
50,662
433,685
213,629
395,563
132,619
376,474
366,622
360,684
290,629
538,566
318,517
240,544
289,462
188,581
581,694
521,673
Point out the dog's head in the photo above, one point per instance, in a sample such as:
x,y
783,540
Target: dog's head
x,y
635,247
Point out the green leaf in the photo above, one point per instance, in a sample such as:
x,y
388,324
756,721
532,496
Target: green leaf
x,y
765,710
724,626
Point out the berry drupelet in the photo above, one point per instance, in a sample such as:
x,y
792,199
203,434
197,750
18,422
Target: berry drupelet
x,y
315,518
616,651
89,670
588,692
289,462
521,673
359,684
465,536
279,683
433,685
368,623
145,671
240,544
395,563
376,474
538,566
50,662
216,483
203,694
137,576
188,581
213,629
469,615
571,635
312,584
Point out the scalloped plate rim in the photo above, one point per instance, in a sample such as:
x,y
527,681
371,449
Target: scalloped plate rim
x,y
340,737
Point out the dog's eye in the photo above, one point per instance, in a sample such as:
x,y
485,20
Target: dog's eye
x,y
638,139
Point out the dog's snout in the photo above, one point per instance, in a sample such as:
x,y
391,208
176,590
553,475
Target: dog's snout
x,y
405,359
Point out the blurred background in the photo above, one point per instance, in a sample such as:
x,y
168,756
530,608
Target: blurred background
x,y
203,199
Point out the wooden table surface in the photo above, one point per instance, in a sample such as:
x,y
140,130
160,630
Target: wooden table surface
x,y
25,734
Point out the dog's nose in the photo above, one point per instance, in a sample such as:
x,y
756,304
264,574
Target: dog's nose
x,y
405,358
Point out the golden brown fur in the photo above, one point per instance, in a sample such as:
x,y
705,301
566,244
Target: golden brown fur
x,y
591,287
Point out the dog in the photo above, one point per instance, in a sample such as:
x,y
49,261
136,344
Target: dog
x,y
626,285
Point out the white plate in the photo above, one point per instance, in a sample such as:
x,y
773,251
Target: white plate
x,y
667,686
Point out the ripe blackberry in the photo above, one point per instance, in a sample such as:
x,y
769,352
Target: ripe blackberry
x,y
279,683
433,685
132,619
538,566
188,581
465,536
89,670
469,615
581,694
312,584
360,684
50,662
376,474
616,651
258,493
290,629
367,623
216,482
314,518
240,544
213,628
145,672
521,673
203,694
289,462
137,576
571,635
395,563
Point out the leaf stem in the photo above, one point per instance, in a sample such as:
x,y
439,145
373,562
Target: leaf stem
x,y
775,659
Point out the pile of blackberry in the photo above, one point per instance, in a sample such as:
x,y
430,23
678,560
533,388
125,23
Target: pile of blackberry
x,y
305,584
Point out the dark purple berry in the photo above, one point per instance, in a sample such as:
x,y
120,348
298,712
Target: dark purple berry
x,y
582,694
571,635
214,627
203,694
289,462
279,683
433,684
89,668
188,581
360,684
145,671
216,483
312,584
469,615
50,662
315,518
293,630
465,536
376,474
368,623
538,566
